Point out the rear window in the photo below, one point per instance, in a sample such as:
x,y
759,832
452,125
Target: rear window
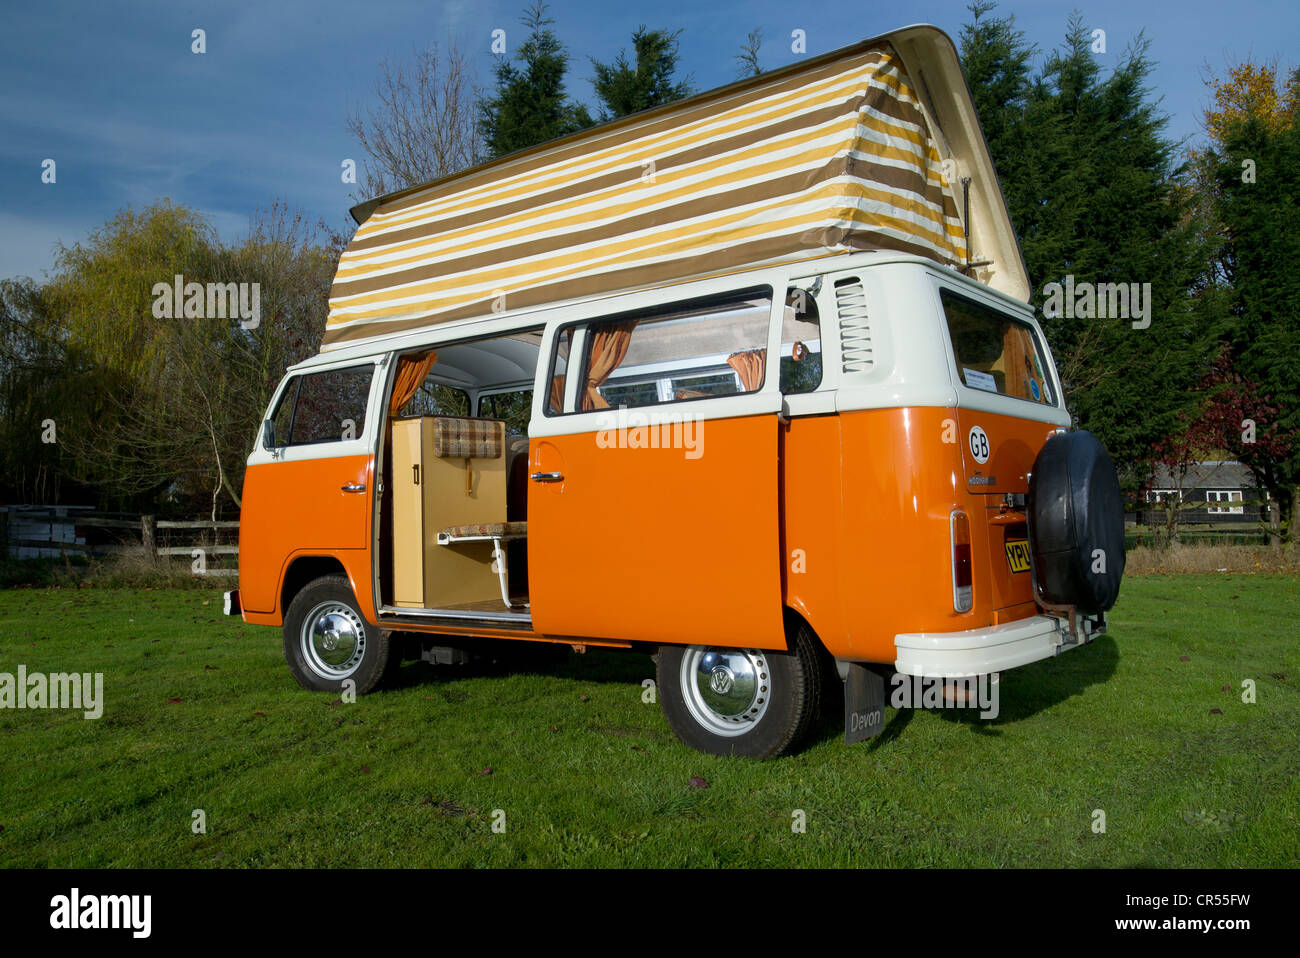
x,y
996,353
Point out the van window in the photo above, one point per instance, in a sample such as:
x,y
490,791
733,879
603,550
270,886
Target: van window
x,y
801,343
516,408
328,406
436,399
994,352
696,350
555,397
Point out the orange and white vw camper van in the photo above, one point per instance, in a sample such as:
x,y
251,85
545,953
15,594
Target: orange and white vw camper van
x,y
749,381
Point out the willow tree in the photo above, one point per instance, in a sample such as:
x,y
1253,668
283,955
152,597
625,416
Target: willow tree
x,y
184,390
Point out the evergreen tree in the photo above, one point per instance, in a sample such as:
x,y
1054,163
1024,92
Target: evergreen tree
x,y
530,105
748,55
625,87
1094,192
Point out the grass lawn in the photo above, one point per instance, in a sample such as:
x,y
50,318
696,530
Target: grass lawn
x,y
1146,724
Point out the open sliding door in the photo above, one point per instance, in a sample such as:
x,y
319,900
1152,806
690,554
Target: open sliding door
x,y
653,509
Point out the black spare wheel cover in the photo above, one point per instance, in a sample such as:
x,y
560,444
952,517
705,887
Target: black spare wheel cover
x,y
1076,523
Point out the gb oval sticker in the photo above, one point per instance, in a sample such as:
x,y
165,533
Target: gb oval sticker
x,y
978,441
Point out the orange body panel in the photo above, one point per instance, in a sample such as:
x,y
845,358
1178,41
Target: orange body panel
x,y
654,545
843,517
865,531
356,565
812,516
901,483
298,507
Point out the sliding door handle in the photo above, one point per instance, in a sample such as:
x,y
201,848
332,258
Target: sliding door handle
x,y
355,487
547,477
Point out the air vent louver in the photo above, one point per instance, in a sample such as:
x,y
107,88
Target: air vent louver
x,y
855,330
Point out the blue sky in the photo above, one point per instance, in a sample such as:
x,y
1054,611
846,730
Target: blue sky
x,y
112,92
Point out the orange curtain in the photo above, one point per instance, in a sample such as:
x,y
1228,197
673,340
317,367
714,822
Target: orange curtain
x,y
751,364
557,393
411,371
1017,348
608,348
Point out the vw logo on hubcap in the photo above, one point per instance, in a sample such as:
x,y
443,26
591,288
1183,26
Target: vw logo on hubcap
x,y
721,680
726,690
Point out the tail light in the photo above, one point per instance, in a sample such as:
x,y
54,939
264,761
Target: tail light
x,y
961,564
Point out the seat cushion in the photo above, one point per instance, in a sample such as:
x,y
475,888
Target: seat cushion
x,y
456,438
500,530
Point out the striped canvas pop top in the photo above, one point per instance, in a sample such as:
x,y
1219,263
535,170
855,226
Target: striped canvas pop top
x,y
838,157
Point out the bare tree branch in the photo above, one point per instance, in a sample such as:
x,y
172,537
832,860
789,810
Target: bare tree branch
x,y
425,124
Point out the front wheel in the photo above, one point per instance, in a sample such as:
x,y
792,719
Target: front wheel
x,y
327,641
747,702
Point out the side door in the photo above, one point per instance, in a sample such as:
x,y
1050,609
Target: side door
x,y
309,487
653,503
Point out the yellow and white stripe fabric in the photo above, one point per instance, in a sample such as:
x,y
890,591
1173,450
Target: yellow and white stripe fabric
x,y
832,159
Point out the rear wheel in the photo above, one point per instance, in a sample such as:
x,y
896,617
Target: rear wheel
x,y
748,702
327,641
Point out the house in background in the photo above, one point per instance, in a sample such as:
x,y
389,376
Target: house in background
x,y
1215,491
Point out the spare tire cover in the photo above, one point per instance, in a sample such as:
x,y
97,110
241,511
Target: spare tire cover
x,y
1076,523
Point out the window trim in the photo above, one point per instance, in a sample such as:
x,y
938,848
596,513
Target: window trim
x,y
295,383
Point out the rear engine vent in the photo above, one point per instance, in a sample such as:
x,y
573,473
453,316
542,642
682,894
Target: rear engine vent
x,y
855,330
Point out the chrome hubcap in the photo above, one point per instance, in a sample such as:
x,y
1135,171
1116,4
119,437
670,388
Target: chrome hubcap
x,y
726,690
333,640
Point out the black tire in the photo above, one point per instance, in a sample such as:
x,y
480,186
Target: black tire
x,y
399,650
789,685
1076,523
357,651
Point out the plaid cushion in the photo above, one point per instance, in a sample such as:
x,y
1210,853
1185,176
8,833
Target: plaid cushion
x,y
503,529
468,438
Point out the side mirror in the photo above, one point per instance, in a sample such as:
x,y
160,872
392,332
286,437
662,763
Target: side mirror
x,y
268,434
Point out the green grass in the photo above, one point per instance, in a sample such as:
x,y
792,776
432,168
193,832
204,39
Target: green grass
x,y
589,775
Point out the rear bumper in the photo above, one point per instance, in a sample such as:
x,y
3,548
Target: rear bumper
x,y
994,648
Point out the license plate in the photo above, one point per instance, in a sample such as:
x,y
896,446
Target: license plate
x,y
1018,554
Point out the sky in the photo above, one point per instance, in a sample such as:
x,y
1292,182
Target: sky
x,y
112,92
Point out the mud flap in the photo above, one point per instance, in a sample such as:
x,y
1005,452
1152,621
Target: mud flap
x,y
864,704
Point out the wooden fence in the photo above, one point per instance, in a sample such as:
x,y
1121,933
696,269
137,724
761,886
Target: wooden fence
x,y
29,532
